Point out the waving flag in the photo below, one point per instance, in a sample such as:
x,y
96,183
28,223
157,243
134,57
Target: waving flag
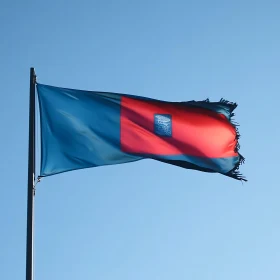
x,y
82,129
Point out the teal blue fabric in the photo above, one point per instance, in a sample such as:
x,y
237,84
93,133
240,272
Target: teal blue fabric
x,y
79,129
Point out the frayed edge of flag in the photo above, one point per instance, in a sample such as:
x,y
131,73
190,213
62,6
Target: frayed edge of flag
x,y
230,107
234,173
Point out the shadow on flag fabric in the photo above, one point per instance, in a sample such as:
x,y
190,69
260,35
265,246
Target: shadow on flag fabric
x,y
82,129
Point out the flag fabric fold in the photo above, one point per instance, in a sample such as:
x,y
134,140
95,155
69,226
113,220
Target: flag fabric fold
x,y
82,129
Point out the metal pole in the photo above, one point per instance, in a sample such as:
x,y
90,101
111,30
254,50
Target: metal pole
x,y
31,178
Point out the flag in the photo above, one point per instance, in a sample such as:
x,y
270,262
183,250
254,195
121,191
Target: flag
x,y
82,129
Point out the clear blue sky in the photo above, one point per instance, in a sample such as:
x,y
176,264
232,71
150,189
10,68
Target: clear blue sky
x,y
144,220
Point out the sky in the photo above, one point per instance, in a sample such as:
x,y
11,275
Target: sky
x,y
144,220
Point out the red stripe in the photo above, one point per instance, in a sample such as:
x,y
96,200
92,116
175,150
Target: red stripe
x,y
195,131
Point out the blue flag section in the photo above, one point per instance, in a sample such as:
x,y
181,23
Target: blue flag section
x,y
82,129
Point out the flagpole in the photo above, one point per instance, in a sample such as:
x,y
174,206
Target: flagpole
x,y
31,178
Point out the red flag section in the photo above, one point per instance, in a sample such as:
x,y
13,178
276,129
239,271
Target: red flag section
x,y
163,128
